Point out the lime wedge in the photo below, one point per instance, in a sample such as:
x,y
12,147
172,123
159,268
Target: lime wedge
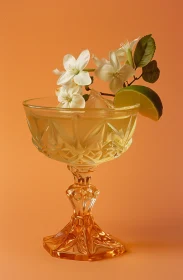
x,y
150,103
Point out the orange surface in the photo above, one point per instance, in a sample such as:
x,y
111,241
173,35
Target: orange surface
x,y
142,189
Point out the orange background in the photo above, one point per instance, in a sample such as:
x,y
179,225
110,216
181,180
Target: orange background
x,y
141,198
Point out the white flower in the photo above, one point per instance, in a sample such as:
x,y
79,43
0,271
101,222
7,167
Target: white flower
x,y
129,45
126,49
114,72
76,89
100,62
70,97
74,69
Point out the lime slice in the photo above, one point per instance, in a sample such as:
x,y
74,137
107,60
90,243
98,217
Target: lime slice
x,y
150,103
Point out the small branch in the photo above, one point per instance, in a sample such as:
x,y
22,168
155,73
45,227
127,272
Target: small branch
x,y
135,78
87,88
107,94
89,69
102,93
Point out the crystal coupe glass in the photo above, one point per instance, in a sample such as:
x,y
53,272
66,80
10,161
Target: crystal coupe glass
x,y
83,139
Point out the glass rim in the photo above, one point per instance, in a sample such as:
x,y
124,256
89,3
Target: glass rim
x,y
26,104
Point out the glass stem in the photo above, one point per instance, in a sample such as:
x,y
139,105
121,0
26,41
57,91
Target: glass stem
x,y
82,193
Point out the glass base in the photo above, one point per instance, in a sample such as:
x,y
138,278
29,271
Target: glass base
x,y
82,239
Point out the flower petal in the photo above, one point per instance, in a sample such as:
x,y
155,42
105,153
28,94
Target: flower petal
x,y
100,62
125,46
58,91
70,84
77,101
83,60
77,90
74,90
132,44
57,72
65,78
69,62
65,104
126,72
105,61
82,79
105,72
115,84
62,97
121,55
97,61
114,61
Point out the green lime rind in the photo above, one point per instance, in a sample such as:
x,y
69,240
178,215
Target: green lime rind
x,y
150,103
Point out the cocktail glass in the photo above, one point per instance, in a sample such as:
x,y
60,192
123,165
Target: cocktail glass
x,y
83,139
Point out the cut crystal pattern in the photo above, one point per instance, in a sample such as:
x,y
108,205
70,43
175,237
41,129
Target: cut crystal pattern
x,y
82,139
82,238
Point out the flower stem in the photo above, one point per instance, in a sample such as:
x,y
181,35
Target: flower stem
x,y
107,94
102,93
89,69
135,78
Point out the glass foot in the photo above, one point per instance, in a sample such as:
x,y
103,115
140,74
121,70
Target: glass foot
x,y
82,239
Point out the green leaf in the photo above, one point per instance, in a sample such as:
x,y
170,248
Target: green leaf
x,y
151,72
144,51
86,96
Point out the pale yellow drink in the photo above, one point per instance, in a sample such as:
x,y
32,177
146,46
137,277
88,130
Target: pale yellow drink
x,y
84,137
